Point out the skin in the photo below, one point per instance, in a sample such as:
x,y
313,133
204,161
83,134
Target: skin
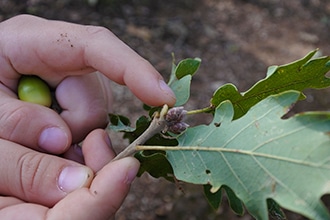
x,y
102,199
59,61
65,55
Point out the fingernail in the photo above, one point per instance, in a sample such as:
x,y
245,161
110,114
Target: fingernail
x,y
163,86
131,174
74,177
53,140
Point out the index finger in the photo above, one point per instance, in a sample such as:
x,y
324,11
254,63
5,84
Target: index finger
x,y
56,49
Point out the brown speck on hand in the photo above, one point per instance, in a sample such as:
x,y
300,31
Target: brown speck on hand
x,y
64,35
95,192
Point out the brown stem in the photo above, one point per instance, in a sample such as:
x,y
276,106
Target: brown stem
x,y
157,124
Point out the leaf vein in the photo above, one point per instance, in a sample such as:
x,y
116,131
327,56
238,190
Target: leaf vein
x,y
237,151
247,126
234,173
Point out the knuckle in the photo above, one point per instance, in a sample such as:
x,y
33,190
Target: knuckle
x,y
31,172
98,31
13,120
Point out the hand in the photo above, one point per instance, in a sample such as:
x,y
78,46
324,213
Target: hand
x,y
48,180
63,54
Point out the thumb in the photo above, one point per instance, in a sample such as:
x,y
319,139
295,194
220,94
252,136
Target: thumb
x,y
36,177
103,198
85,103
42,127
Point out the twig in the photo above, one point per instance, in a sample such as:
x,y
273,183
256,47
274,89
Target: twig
x,y
157,124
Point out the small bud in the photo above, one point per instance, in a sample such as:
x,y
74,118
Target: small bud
x,y
178,127
174,119
175,114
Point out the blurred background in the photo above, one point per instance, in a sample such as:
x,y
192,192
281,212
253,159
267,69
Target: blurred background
x,y
236,39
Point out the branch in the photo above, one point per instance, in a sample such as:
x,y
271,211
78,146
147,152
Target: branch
x,y
157,124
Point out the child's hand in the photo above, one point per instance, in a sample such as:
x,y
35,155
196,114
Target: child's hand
x,y
64,55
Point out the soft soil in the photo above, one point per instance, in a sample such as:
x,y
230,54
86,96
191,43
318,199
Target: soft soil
x,y
236,39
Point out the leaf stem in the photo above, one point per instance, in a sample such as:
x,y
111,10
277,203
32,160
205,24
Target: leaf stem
x,y
157,124
198,111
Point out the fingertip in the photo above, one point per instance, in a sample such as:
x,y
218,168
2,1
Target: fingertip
x,y
121,173
89,109
132,167
97,150
74,177
151,89
105,195
124,170
33,126
169,95
53,139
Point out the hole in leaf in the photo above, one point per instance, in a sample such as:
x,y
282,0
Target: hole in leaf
x,y
217,124
207,171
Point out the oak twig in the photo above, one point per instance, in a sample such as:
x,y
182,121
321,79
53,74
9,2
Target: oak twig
x,y
157,125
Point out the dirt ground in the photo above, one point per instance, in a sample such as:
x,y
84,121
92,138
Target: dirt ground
x,y
236,39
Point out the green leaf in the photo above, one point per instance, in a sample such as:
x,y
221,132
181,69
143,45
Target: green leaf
x,y
181,89
275,210
119,123
140,126
180,79
186,67
235,203
214,199
155,163
299,75
261,156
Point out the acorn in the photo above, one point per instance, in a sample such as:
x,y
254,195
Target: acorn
x,y
35,90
